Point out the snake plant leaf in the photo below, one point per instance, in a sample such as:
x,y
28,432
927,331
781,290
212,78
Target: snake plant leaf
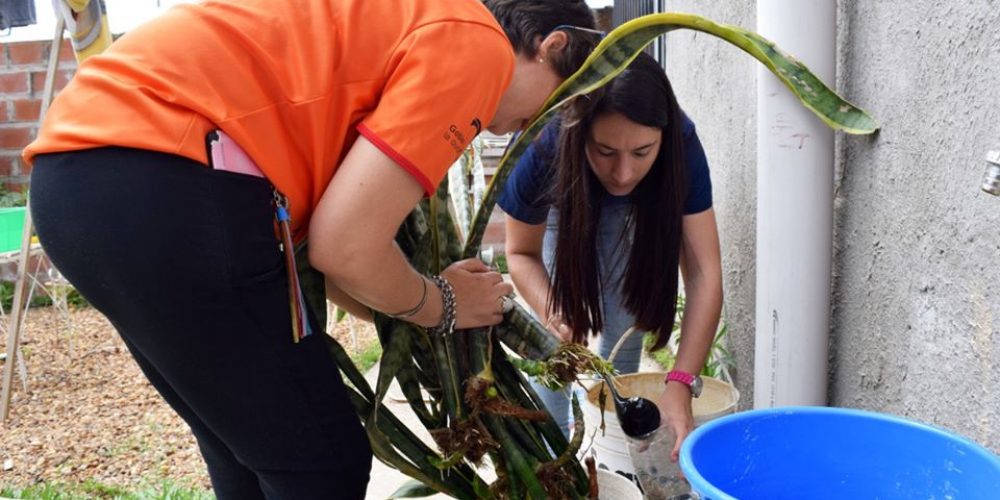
x,y
348,368
383,448
413,489
394,444
391,441
624,44
526,336
395,353
409,376
428,236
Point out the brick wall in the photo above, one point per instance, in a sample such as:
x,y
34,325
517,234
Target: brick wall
x,y
22,82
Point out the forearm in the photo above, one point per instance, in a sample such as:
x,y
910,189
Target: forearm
x,y
701,267
531,281
701,318
704,303
352,236
347,303
379,277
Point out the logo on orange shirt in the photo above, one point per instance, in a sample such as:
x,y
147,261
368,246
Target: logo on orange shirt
x,y
456,138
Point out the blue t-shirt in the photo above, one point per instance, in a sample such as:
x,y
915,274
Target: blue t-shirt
x,y
527,194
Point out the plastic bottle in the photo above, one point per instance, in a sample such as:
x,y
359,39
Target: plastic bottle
x,y
659,477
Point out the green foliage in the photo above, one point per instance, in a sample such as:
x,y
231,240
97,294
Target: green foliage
x,y
719,357
75,300
39,299
7,297
663,357
164,490
10,198
500,263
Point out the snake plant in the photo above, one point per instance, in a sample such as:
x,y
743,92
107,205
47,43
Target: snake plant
x,y
479,404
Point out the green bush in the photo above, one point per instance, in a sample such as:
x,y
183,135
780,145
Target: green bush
x,y
719,357
39,299
12,198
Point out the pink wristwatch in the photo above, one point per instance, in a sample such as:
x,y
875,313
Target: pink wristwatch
x,y
692,381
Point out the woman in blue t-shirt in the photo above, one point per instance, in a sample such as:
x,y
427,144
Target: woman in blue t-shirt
x,y
628,183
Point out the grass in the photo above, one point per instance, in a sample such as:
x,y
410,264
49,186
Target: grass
x,y
368,357
164,490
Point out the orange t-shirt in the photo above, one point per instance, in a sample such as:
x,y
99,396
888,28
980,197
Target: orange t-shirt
x,y
294,83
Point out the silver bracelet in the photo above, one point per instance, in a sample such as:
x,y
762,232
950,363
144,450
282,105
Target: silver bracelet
x,y
448,316
410,312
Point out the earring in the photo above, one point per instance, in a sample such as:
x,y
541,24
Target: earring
x,y
541,60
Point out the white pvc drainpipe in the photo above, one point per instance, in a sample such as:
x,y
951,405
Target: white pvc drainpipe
x,y
794,212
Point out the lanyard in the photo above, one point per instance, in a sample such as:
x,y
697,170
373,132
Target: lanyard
x,y
296,301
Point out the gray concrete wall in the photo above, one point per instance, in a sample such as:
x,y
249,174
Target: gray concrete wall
x,y
916,290
716,85
916,299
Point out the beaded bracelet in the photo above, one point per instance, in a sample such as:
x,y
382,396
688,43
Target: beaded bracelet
x,y
448,316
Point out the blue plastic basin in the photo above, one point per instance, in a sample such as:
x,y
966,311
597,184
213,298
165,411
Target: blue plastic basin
x,y
820,453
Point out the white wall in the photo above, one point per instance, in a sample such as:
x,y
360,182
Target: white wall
x,y
123,15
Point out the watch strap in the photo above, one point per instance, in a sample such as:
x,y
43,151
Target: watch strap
x,y
679,376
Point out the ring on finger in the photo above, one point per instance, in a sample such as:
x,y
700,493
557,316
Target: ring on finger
x,y
506,304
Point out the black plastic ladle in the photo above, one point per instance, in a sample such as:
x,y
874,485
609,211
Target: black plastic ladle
x,y
638,416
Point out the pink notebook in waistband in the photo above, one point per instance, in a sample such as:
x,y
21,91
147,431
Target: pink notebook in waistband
x,y
228,155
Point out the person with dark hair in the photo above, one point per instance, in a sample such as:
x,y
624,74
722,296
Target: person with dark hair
x,y
176,173
628,185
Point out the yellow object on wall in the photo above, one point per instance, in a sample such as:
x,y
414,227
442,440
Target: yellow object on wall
x,y
77,5
87,23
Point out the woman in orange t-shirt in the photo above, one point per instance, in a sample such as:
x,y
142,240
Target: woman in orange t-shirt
x,y
158,170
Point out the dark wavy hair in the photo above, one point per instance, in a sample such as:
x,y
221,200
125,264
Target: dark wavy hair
x,y
643,94
525,21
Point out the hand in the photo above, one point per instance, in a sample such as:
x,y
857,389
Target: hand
x,y
479,293
557,325
675,412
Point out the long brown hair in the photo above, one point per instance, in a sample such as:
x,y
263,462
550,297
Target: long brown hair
x,y
643,94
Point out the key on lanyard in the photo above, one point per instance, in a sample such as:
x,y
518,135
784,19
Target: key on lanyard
x,y
296,301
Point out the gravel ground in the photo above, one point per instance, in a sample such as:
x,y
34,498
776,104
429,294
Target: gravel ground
x,y
89,414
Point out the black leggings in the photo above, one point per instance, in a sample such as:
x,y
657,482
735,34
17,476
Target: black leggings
x,y
184,262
